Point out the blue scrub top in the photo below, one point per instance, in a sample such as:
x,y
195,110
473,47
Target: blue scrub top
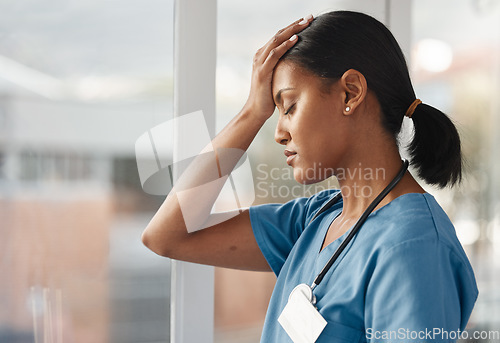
x,y
402,278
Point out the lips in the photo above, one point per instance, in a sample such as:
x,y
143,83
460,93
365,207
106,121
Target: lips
x,y
290,155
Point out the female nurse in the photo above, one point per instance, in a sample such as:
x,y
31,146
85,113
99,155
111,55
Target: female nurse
x,y
342,88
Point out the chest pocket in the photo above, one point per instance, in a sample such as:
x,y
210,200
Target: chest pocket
x,y
335,332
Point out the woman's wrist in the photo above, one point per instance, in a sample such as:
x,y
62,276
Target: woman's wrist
x,y
253,116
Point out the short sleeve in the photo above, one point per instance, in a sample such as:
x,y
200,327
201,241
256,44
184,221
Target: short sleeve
x,y
419,291
277,227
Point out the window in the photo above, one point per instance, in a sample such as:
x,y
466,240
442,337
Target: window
x,y
79,82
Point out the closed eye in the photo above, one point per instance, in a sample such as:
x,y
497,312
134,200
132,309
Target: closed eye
x,y
289,109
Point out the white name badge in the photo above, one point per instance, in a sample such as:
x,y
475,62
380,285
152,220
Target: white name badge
x,y
300,318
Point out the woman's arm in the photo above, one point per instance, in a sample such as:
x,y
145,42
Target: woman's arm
x,y
230,243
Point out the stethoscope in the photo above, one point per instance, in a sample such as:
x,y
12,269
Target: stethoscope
x,y
308,290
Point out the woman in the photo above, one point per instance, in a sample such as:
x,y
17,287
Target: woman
x,y
342,88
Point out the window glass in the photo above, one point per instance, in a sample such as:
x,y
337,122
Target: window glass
x,y
80,81
456,67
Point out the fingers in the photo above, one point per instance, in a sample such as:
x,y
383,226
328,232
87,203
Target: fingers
x,y
265,60
276,53
291,29
282,36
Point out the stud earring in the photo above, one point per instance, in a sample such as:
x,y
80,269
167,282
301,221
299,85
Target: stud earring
x,y
347,109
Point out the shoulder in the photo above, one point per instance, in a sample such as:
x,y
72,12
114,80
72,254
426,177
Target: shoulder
x,y
412,216
305,207
416,224
413,238
277,227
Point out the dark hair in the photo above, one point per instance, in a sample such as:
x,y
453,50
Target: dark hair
x,y
338,41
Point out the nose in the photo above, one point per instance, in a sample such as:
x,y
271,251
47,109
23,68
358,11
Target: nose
x,y
281,134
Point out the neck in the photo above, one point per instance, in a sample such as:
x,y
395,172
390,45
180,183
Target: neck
x,y
362,182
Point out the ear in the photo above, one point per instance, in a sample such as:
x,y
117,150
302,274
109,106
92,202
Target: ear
x,y
354,85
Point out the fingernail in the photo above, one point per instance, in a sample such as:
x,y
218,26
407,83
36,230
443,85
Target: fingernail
x,y
293,38
306,19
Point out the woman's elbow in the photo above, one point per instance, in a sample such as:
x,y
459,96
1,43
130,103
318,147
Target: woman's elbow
x,y
156,245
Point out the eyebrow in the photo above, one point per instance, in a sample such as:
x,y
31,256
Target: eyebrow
x,y
277,98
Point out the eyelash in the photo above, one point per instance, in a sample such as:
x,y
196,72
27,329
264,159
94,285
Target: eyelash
x,y
289,109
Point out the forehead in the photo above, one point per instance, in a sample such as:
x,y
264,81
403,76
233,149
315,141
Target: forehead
x,y
289,75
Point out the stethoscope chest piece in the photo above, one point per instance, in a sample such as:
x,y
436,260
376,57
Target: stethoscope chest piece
x,y
305,290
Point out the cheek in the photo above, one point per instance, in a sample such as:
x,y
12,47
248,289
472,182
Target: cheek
x,y
323,151
316,139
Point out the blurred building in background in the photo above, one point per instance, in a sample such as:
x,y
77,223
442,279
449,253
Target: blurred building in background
x,y
79,82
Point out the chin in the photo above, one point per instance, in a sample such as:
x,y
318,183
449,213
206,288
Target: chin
x,y
303,178
311,173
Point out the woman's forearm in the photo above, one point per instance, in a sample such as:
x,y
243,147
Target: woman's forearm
x,y
188,206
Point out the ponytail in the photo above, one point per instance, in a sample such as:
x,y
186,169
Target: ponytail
x,y
435,149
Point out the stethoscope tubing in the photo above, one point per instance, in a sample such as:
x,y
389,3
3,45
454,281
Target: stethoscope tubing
x,y
359,222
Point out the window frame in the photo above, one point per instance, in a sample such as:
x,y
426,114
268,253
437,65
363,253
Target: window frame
x,y
195,48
